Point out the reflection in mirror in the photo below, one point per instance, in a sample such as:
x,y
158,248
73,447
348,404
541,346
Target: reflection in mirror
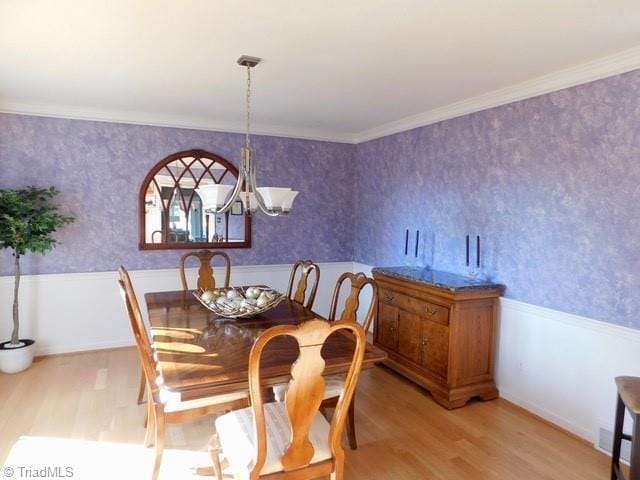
x,y
176,199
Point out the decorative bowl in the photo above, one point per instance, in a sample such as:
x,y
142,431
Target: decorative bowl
x,y
239,302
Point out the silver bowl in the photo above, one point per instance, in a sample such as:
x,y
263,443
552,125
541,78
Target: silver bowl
x,y
239,309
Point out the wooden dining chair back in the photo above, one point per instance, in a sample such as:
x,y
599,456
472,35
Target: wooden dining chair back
x,y
143,345
310,447
306,268
357,281
162,407
336,383
206,279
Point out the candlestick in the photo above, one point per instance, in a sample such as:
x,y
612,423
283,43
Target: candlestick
x,y
406,242
417,241
467,250
478,251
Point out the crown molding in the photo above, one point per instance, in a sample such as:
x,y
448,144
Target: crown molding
x,y
615,64
168,121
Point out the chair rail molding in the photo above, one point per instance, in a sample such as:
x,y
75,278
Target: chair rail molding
x,y
72,312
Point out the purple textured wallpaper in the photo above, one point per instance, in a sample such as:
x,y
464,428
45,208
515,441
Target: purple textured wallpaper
x,y
99,168
552,185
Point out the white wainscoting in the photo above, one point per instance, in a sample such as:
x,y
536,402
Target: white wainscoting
x,y
557,365
562,366
83,311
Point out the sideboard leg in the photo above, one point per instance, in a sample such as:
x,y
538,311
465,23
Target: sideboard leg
x,y
492,395
450,404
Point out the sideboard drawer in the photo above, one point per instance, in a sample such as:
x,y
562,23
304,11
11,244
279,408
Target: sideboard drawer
x,y
422,308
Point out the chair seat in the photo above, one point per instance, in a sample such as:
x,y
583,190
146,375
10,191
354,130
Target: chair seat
x,y
236,437
629,390
172,402
333,387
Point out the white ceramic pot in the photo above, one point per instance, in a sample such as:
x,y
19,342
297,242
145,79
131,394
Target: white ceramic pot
x,y
14,360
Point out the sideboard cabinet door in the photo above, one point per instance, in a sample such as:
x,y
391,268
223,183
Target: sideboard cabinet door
x,y
387,326
435,348
409,335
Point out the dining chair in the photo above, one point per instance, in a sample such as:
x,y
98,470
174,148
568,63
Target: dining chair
x,y
335,383
358,281
206,280
306,267
349,313
628,400
163,406
290,439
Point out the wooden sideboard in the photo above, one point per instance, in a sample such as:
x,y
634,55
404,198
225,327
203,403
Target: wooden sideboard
x,y
439,330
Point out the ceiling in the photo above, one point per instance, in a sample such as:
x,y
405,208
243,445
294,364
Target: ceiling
x,y
345,70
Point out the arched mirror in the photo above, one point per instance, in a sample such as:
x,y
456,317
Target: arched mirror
x,y
175,204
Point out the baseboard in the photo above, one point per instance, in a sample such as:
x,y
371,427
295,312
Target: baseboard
x,y
547,415
82,347
546,421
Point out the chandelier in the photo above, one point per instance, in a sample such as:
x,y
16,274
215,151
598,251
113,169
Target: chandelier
x,y
270,200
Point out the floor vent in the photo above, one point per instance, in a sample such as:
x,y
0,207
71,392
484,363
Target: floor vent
x,y
605,442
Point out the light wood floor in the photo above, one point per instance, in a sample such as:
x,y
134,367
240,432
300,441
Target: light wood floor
x,y
402,433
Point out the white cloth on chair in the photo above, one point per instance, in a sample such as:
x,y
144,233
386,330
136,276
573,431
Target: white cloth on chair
x,y
237,438
333,387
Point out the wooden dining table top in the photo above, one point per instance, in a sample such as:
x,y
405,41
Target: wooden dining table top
x,y
199,353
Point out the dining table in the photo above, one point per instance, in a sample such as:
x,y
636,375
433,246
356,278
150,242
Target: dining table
x,y
200,353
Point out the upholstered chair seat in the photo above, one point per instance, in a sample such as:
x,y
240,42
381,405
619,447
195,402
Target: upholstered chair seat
x,y
236,436
333,384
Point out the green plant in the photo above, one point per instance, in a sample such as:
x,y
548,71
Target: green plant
x,y
27,221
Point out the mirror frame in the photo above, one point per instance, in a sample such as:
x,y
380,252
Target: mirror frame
x,y
197,153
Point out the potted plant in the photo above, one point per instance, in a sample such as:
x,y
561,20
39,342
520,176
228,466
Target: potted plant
x,y
27,221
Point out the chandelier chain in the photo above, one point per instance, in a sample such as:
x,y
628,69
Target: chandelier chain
x,y
274,201
247,137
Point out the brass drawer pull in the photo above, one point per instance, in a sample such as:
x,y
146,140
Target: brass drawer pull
x,y
388,298
392,329
430,311
424,342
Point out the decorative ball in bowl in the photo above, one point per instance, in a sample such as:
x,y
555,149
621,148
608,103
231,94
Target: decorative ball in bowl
x,y
239,302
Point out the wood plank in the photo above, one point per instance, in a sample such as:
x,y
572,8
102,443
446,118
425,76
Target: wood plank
x,y
402,433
